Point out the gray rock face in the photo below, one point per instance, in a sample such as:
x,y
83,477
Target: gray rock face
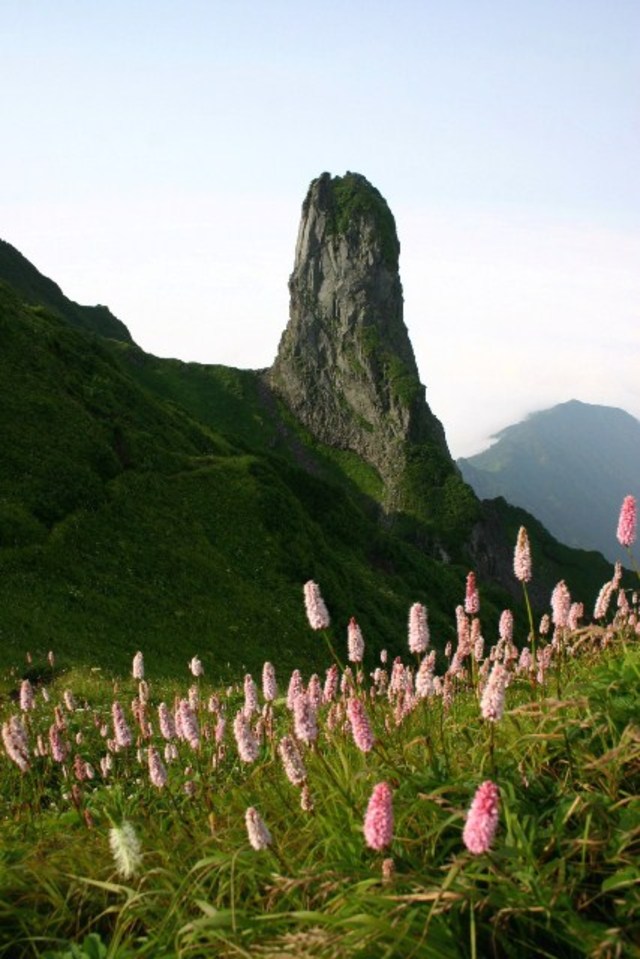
x,y
345,365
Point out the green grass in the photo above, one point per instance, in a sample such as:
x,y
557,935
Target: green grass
x,y
561,877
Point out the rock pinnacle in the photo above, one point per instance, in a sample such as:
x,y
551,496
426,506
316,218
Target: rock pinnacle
x,y
345,364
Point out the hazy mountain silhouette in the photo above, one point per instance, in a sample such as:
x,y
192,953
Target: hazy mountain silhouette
x,y
570,465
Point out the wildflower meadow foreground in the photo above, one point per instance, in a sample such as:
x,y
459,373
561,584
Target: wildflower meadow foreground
x,y
481,801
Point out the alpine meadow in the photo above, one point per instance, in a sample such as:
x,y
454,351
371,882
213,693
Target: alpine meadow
x,y
275,682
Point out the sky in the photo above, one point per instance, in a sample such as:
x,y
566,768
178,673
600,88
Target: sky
x,y
156,155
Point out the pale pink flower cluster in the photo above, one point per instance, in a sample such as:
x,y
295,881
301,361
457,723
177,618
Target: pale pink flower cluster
x,y
346,680
248,746
505,626
544,659
221,727
157,771
196,667
296,687
418,629
603,601
138,666
492,702
14,737
26,696
305,722
332,679
525,662
360,726
378,820
522,557
167,722
121,731
269,685
560,605
250,696
424,677
69,700
186,721
259,835
482,819
317,613
626,532
472,597
355,642
57,744
292,761
477,641
576,612
315,694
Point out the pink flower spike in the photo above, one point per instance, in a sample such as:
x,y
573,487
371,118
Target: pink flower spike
x,y
292,760
418,629
360,726
248,745
482,819
138,666
522,557
492,702
355,642
57,744
305,722
157,771
259,835
314,604
121,730
627,522
26,696
196,667
472,597
378,820
269,685
505,626
560,605
14,737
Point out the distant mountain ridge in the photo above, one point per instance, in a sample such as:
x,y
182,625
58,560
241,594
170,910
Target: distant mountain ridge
x,y
570,465
39,290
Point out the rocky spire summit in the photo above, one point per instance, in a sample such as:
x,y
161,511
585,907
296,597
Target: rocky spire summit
x,y
345,365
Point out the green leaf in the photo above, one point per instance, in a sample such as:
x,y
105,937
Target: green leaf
x,y
624,877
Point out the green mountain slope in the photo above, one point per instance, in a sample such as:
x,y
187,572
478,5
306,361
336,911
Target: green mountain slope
x,y
571,466
124,522
36,289
179,508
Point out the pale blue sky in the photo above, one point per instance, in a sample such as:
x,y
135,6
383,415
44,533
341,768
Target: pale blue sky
x,y
156,155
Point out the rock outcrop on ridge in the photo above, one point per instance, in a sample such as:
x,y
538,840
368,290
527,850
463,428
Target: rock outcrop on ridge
x,y
345,364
